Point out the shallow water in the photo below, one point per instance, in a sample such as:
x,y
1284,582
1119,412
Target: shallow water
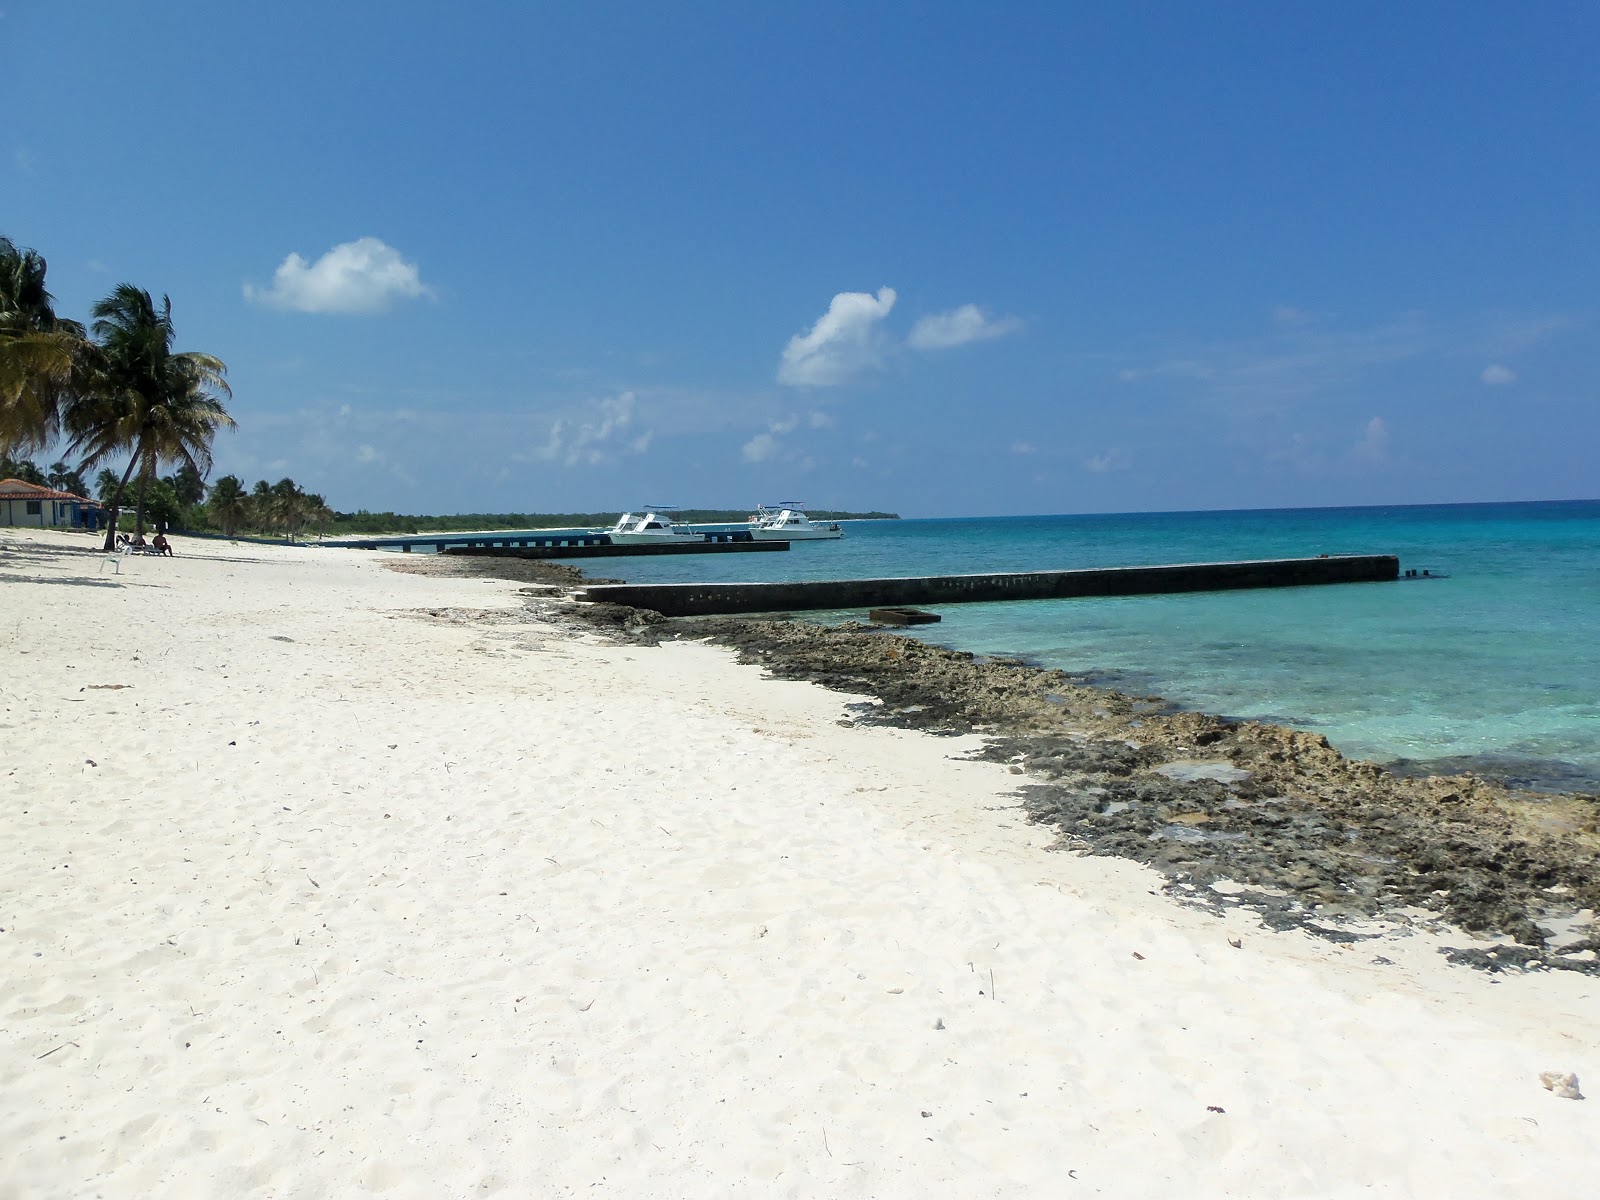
x,y
1493,667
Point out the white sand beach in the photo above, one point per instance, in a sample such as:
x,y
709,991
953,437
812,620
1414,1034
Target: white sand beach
x,y
323,880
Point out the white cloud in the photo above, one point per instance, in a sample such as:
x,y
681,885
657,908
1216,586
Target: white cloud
x,y
958,327
821,420
606,431
1374,443
759,448
1288,314
845,341
1497,374
1111,460
1024,448
786,425
368,454
363,276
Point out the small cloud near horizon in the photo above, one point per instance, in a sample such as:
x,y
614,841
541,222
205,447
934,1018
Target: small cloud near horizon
x,y
363,276
1374,444
1495,374
959,327
1110,460
845,341
608,433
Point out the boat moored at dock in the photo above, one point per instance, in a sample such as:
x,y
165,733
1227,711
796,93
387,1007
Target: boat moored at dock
x,y
655,526
785,522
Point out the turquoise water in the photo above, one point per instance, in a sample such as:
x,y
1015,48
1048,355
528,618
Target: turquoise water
x,y
1494,668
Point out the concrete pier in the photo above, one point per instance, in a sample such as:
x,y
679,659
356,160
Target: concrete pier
x,y
703,599
605,549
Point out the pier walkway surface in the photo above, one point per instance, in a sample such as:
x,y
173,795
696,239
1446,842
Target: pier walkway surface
x,y
705,599
554,543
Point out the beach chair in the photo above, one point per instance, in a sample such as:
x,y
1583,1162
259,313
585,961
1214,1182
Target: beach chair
x,y
115,557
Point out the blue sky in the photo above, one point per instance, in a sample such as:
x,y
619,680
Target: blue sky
x,y
933,258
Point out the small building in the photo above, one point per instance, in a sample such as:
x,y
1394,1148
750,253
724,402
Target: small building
x,y
45,508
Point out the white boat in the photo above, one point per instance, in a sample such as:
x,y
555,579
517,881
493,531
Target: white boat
x,y
654,527
786,523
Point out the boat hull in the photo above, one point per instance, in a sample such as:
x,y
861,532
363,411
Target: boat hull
x,y
796,535
655,539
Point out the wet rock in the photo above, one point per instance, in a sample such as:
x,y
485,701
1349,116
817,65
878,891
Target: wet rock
x,y
1310,835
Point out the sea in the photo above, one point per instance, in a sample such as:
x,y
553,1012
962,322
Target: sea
x,y
1489,662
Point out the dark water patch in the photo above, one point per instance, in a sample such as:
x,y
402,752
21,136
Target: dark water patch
x,y
1553,775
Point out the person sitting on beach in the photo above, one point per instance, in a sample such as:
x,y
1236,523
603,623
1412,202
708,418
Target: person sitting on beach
x,y
139,542
160,545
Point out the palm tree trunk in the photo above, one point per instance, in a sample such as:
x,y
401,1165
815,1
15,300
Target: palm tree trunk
x,y
116,508
138,511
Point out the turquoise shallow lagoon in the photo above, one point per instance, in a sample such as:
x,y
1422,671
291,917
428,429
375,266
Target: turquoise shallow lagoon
x,y
1495,667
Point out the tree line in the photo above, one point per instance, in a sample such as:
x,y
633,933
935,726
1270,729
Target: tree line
x,y
116,387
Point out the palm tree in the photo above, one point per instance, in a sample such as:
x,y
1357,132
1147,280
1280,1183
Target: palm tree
x,y
261,515
229,503
64,479
289,508
142,398
188,486
318,512
39,352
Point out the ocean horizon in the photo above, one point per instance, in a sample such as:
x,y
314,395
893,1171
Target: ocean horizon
x,y
1490,663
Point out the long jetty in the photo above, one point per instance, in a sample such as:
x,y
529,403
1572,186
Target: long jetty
x,y
744,545
705,599
568,543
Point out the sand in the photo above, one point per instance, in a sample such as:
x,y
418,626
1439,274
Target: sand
x,y
320,880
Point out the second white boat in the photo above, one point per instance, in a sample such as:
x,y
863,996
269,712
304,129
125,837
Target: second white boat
x,y
786,523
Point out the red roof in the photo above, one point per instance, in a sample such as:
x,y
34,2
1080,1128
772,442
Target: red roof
x,y
16,489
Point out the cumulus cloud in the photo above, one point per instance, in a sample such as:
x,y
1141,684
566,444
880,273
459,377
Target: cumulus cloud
x,y
821,420
363,276
1024,448
958,327
1497,374
759,448
846,340
366,453
600,436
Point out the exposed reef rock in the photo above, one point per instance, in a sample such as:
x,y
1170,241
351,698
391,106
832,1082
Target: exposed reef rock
x,y
1307,835
1232,812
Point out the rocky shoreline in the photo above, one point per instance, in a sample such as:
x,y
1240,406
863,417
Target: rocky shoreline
x,y
1233,813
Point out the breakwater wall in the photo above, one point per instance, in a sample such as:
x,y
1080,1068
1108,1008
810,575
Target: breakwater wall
x,y
604,549
705,599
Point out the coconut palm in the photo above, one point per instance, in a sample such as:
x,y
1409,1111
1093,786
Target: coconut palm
x,y
140,397
261,515
39,352
317,512
230,504
289,507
